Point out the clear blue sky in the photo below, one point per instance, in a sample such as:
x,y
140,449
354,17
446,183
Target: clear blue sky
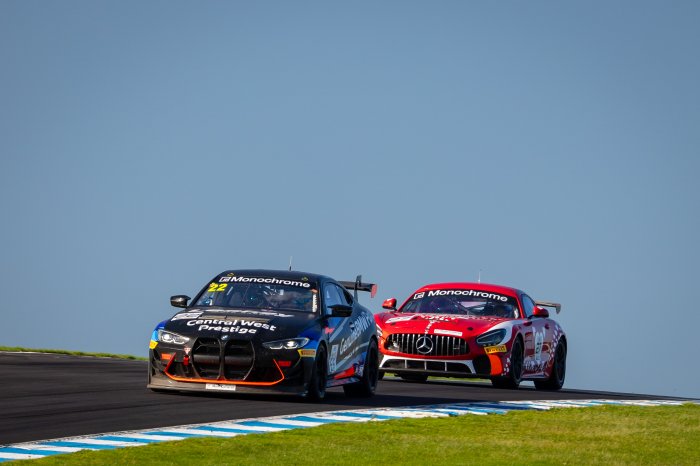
x,y
146,146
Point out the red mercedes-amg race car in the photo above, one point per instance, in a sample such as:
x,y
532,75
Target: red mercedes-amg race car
x,y
473,330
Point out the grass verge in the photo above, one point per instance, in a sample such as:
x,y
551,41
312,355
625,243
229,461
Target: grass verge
x,y
599,435
72,353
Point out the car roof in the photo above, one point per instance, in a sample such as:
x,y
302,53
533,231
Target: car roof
x,y
284,274
504,290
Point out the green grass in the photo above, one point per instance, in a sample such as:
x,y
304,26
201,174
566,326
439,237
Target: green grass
x,y
72,353
599,435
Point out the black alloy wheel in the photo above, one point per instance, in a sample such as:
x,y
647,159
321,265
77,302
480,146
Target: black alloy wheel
x,y
556,378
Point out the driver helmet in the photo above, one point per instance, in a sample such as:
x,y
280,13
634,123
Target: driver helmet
x,y
440,303
502,310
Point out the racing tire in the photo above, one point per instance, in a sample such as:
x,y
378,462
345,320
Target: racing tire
x,y
319,376
556,378
368,382
417,378
515,374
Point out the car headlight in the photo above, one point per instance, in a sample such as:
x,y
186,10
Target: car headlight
x,y
493,337
170,337
292,343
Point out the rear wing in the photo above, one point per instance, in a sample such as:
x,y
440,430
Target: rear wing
x,y
556,306
357,285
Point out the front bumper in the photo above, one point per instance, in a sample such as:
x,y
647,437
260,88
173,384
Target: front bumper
x,y
163,383
481,366
442,356
217,366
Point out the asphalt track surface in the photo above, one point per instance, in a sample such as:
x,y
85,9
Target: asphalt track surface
x,y
46,396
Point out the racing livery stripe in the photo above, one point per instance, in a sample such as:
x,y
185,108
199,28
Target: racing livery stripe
x,y
41,449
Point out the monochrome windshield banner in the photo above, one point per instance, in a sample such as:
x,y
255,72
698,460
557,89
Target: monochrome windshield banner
x,y
265,281
461,293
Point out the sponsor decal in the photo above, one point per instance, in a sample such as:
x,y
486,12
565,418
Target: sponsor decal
x,y
495,349
231,326
539,340
220,386
254,313
531,365
453,333
152,344
475,293
186,315
419,295
435,317
399,319
536,363
440,317
307,353
314,302
265,280
361,324
333,359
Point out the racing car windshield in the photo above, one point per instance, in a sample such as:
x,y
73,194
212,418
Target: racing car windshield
x,y
260,293
463,302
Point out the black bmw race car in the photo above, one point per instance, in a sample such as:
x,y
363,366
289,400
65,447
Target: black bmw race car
x,y
261,331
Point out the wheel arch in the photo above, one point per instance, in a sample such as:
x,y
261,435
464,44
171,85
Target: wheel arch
x,y
564,341
550,365
518,336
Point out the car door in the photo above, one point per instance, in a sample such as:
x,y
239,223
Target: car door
x,y
338,329
538,339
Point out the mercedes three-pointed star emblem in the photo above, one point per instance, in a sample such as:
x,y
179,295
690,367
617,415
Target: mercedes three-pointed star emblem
x,y
424,345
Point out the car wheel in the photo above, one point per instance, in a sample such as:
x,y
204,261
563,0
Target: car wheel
x,y
419,378
319,375
556,378
368,382
381,375
515,374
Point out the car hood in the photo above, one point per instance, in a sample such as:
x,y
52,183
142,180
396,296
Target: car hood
x,y
245,324
436,324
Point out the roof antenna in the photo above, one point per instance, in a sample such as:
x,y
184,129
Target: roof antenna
x,y
479,276
290,263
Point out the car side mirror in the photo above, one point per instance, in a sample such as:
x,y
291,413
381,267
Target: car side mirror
x,y
341,310
179,300
389,304
540,312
